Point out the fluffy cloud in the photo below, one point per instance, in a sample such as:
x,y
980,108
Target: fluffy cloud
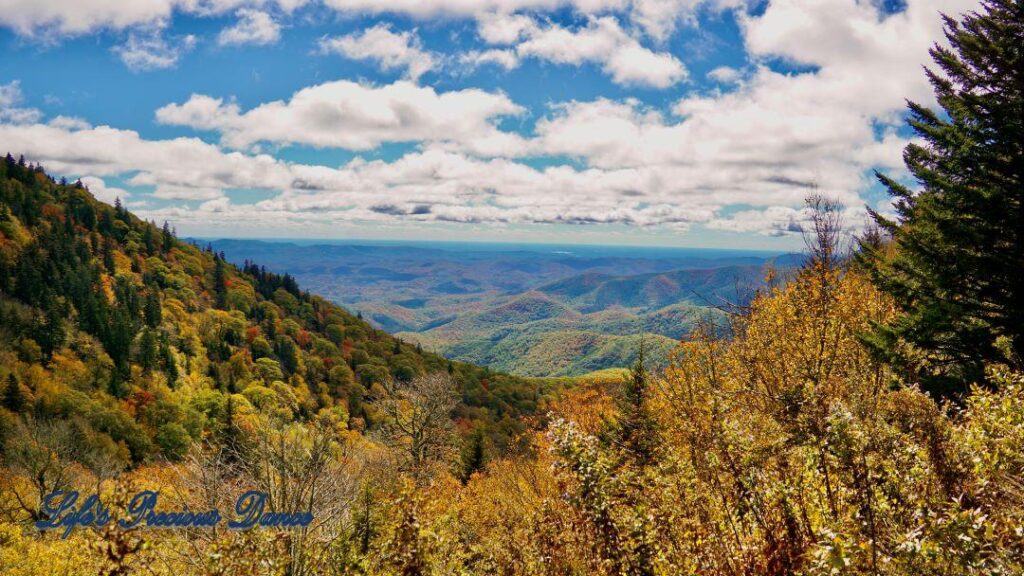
x,y
601,41
151,51
10,105
391,50
506,59
776,136
470,8
74,17
177,164
428,186
725,75
253,27
69,123
782,220
102,192
657,18
357,117
28,17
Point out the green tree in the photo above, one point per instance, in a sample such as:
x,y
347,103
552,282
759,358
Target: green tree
x,y
170,364
51,332
14,398
220,287
148,355
473,457
635,432
151,309
954,264
173,440
167,237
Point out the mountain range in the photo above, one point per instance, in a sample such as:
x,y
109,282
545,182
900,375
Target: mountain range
x,y
533,310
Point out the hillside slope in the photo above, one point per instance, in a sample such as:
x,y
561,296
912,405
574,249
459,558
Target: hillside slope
x,y
590,321
148,343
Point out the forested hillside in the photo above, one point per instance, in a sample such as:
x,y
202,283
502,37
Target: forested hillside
x,y
146,344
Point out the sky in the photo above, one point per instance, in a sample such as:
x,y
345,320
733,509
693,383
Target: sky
x,y
702,123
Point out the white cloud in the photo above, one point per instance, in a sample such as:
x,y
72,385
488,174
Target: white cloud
x,y
253,27
29,17
601,41
783,220
102,192
427,186
149,50
177,164
10,105
657,18
470,8
772,221
506,59
355,116
52,19
725,75
504,27
177,192
391,50
776,136
69,123
660,18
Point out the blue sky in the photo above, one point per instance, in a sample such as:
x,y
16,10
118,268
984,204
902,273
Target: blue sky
x,y
662,122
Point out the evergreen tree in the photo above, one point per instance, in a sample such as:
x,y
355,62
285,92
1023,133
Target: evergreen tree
x,y
954,264
14,399
170,364
151,310
230,435
50,333
288,354
148,356
149,240
167,237
473,455
220,289
636,431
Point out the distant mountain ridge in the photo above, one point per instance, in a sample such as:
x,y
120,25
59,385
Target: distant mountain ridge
x,y
541,313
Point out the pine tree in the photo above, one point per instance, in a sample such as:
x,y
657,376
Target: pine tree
x,y
230,435
473,455
168,237
954,264
148,357
14,399
151,311
51,332
636,432
220,289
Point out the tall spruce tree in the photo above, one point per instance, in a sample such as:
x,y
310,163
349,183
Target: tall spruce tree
x,y
636,432
955,266
220,288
